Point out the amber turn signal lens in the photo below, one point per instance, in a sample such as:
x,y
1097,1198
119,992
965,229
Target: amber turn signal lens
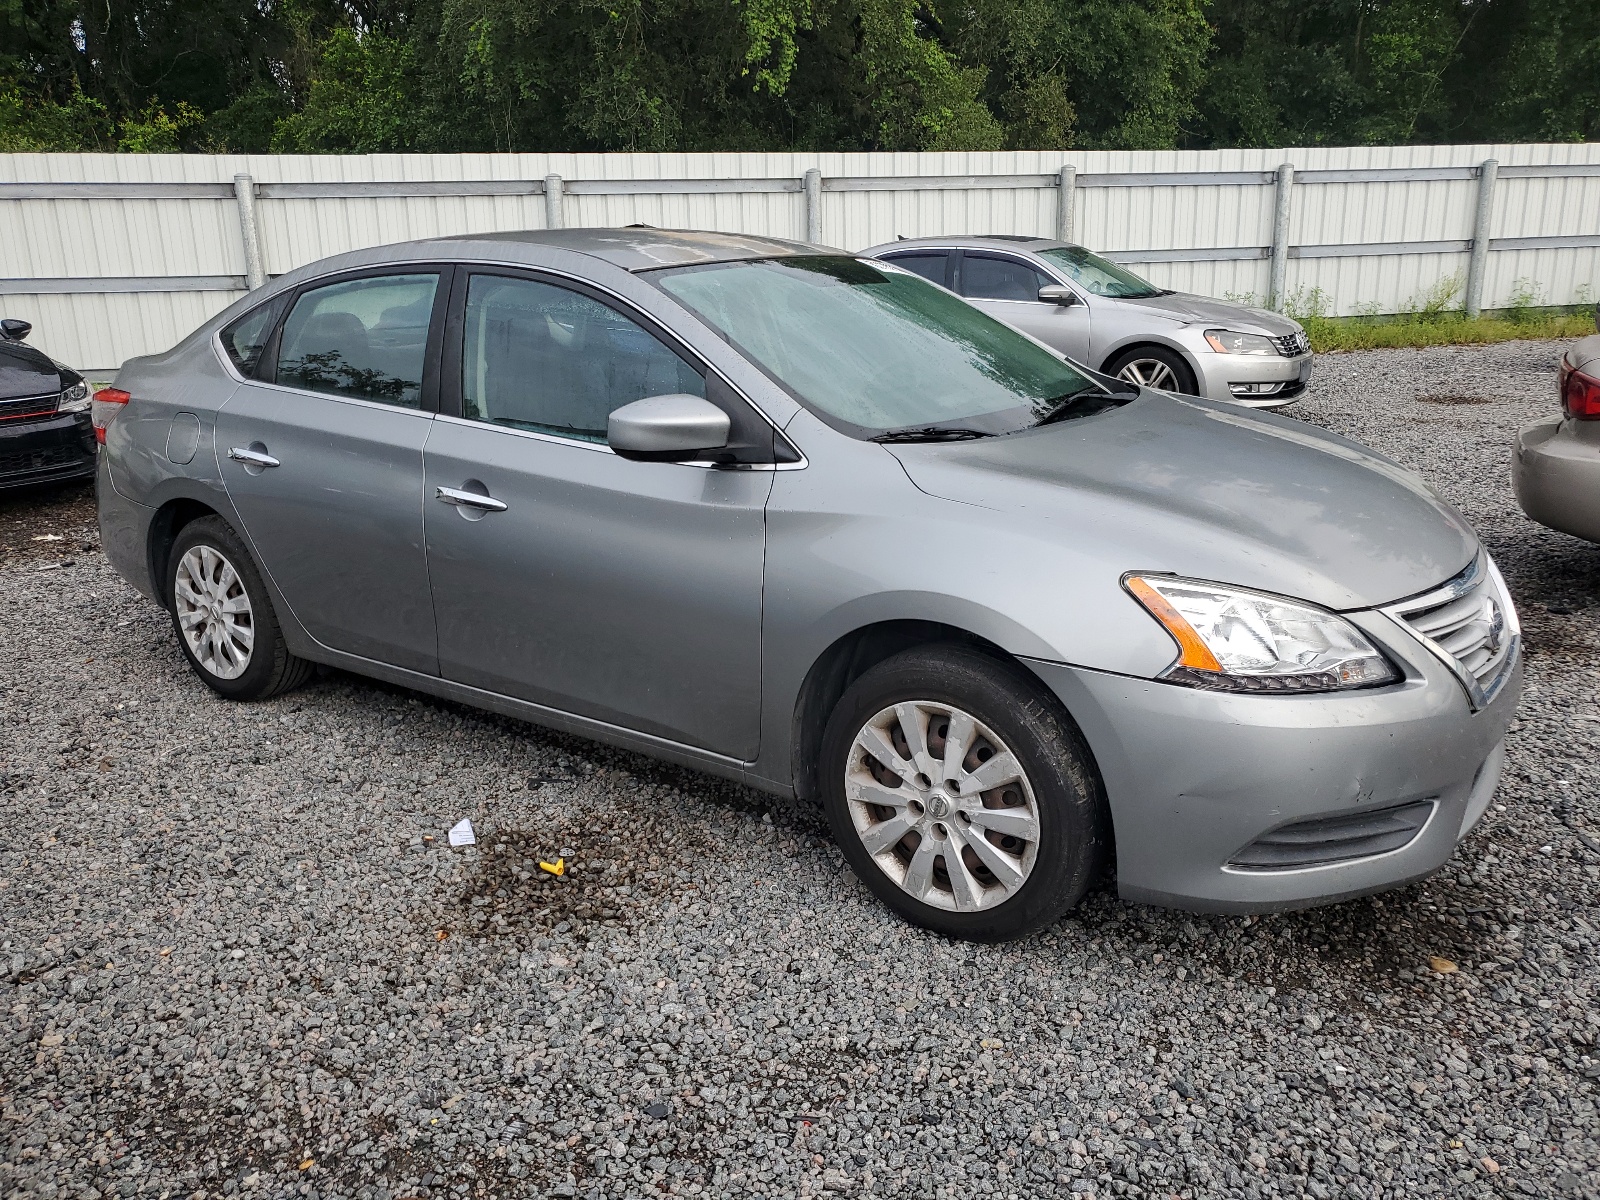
x,y
1193,652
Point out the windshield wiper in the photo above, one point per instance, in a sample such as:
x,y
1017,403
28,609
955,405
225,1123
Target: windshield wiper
x,y
931,433
1068,404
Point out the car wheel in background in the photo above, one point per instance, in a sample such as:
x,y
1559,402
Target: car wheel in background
x,y
223,616
961,795
1154,367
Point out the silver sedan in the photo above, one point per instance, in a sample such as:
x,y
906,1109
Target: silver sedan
x,y
1101,314
803,520
1556,471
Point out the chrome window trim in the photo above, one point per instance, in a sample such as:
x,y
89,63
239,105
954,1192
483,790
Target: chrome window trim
x,y
467,264
227,363
1479,573
710,368
602,448
1018,259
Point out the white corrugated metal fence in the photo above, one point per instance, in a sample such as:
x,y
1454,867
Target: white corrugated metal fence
x,y
111,256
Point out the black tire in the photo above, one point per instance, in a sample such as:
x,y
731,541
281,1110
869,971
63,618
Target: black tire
x,y
1073,829
1183,377
270,669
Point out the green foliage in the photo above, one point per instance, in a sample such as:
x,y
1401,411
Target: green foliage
x,y
1524,300
359,100
1436,301
1368,333
30,123
384,75
154,131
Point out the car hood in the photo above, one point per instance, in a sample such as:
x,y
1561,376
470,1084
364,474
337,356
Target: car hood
x,y
25,371
1204,489
1191,309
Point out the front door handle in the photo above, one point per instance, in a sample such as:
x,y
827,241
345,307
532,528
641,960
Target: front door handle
x,y
253,458
463,499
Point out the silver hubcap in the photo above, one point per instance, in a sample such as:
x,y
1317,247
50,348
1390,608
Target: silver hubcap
x,y
942,805
214,612
1150,373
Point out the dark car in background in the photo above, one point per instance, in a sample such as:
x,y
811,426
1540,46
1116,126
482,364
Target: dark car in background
x,y
45,432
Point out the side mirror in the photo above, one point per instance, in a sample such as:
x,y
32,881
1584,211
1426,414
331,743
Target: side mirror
x,y
1057,293
667,428
14,330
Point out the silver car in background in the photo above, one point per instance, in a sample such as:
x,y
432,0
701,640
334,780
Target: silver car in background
x,y
1556,470
806,521
1104,316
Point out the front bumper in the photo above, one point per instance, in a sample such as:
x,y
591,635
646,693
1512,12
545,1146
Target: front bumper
x,y
1221,373
1193,778
1556,475
52,450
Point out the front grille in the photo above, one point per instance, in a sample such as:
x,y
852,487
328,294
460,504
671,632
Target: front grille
x,y
1471,624
39,460
23,407
1335,839
1292,345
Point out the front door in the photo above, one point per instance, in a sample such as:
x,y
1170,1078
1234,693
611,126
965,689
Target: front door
x,y
628,592
1008,289
324,464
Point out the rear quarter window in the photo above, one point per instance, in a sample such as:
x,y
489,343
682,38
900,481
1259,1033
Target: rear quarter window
x,y
246,338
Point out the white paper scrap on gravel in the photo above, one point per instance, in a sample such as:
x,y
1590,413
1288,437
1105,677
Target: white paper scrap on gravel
x,y
461,833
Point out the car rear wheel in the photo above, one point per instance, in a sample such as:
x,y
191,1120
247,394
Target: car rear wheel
x,y
224,618
1154,367
961,795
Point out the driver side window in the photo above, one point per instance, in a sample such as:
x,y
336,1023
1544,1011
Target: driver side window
x,y
551,360
984,278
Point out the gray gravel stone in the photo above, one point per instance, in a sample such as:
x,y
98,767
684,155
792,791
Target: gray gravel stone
x,y
237,957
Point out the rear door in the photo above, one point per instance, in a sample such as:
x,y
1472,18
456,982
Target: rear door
x,y
322,458
1007,288
932,264
627,592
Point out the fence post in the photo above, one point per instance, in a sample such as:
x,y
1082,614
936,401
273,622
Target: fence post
x,y
553,217
244,194
1066,202
1280,238
1488,171
813,190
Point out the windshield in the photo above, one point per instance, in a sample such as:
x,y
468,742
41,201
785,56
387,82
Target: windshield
x,y
872,349
1098,275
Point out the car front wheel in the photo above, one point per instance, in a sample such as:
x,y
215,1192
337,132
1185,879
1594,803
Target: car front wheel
x,y
1154,367
962,795
224,618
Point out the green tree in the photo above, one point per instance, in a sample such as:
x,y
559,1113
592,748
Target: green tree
x,y
378,75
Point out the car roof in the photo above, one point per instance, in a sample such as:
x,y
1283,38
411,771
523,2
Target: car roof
x,y
643,248
993,241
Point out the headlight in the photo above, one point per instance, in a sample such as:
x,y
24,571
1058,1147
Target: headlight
x,y
1226,341
74,399
1235,640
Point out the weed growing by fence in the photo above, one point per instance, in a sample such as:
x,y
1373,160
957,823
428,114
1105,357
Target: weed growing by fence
x,y
1431,318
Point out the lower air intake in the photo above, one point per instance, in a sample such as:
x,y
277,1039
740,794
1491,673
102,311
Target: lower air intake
x,y
1335,839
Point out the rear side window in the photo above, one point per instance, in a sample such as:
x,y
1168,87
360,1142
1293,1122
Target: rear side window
x,y
984,278
929,264
364,338
542,358
246,338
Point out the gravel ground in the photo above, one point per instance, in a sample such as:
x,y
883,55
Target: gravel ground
x,y
239,957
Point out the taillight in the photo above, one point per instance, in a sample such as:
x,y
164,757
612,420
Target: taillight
x,y
103,410
1580,394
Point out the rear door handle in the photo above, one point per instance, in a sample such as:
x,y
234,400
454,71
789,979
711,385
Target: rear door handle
x,y
463,499
254,458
